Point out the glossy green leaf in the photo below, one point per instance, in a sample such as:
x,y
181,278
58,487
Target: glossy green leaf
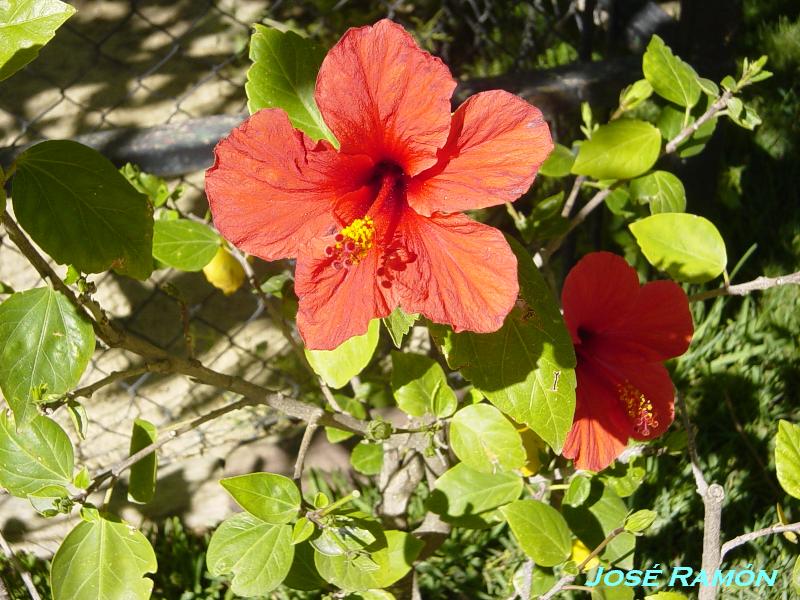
x,y
103,559
81,211
353,407
26,26
633,95
393,562
601,513
284,75
796,576
486,440
398,324
302,530
661,191
670,77
578,491
337,367
79,418
45,345
559,163
183,244
623,149
420,386
787,457
270,497
640,521
688,247
142,481
152,186
624,478
367,458
33,455
257,554
466,496
540,531
526,369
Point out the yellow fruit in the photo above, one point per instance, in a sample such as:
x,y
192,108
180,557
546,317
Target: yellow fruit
x,y
579,554
224,272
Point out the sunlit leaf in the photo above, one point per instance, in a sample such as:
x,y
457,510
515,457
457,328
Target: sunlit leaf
x,y
184,245
622,149
270,497
670,77
541,531
486,440
661,191
420,386
787,457
337,367
142,480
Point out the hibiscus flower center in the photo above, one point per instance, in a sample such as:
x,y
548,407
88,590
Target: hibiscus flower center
x,y
639,408
352,243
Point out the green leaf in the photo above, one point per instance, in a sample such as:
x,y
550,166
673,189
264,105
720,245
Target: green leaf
x,y
486,440
155,188
661,191
33,455
183,244
337,367
303,574
617,200
420,386
605,592
526,369
623,149
466,497
142,482
670,77
284,75
796,576
82,479
398,324
686,246
270,497
601,513
353,407
26,26
367,458
624,479
578,491
393,561
302,530
634,94
640,521
257,554
559,163
541,531
45,345
787,457
82,211
667,596
79,418
103,559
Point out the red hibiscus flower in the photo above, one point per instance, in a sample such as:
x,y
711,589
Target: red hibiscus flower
x,y
622,334
377,224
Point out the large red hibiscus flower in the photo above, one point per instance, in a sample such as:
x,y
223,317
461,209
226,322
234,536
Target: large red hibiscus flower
x,y
377,224
622,334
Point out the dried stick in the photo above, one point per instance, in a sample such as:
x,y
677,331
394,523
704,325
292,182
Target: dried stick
x,y
305,443
753,535
742,289
19,568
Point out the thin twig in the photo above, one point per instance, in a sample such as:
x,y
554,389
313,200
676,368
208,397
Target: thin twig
x,y
699,479
690,130
305,443
113,377
19,568
753,535
579,218
573,195
742,289
568,579
116,470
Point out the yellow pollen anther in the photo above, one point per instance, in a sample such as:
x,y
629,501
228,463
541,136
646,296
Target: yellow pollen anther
x,y
639,408
352,243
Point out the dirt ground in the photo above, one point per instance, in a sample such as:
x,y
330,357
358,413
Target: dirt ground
x,y
143,64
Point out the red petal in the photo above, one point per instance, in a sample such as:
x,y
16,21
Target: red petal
x,y
337,305
272,189
497,143
598,293
601,429
658,327
603,421
464,274
382,96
